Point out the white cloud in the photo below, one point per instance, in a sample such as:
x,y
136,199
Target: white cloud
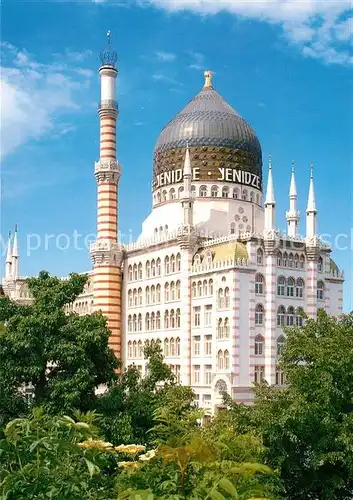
x,y
320,28
198,60
165,56
34,95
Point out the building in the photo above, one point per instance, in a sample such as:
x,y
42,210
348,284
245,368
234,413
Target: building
x,y
210,275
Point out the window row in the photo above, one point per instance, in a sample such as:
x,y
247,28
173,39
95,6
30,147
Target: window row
x,y
259,375
153,269
153,321
260,345
223,360
223,298
202,288
80,307
290,287
196,345
290,260
223,328
290,317
196,374
171,348
196,315
208,191
152,294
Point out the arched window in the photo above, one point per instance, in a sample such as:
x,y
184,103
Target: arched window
x,y
199,288
158,320
164,195
225,192
140,271
280,344
285,259
194,289
220,329
135,272
320,290
296,261
134,297
178,262
210,283
172,264
139,323
129,349
158,267
166,348
158,294
148,296
180,192
290,316
166,320
139,296
302,262
203,191
177,318
134,323
177,347
129,298
290,260
281,316
259,345
281,284
220,360
158,197
235,193
220,298
148,269
299,317
205,288
279,259
166,292
129,324
259,284
290,287
172,319
172,195
299,288
153,294
320,264
232,228
166,265
226,298
259,314
226,360
214,191
252,196
134,348
147,322
172,291
245,195
193,190
153,321
226,328
177,290
140,349
260,257
130,273
172,347
153,268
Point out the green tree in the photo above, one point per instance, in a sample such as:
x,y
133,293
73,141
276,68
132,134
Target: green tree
x,y
63,356
307,427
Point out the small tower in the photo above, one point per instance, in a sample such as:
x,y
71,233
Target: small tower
x,y
187,201
15,256
293,215
270,203
8,264
311,223
106,253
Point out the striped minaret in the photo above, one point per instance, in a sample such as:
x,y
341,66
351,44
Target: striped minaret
x,y
312,250
106,253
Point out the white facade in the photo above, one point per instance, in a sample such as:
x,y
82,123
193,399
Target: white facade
x,y
214,282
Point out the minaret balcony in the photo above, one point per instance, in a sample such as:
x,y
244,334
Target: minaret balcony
x,y
107,171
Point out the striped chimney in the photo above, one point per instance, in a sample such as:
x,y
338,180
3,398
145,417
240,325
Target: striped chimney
x,y
105,252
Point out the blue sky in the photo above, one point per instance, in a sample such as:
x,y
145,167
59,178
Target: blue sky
x,y
284,66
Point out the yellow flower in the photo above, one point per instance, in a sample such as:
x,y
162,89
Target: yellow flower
x,y
149,455
131,449
97,445
125,465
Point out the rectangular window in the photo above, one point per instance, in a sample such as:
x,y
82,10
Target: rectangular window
x,y
208,315
208,345
196,372
280,377
208,374
196,348
259,373
196,316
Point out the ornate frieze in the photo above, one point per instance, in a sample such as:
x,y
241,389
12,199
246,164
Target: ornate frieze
x,y
106,253
108,171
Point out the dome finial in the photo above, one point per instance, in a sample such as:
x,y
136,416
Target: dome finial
x,y
208,79
108,56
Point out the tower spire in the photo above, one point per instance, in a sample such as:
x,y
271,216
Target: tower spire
x,y
8,264
187,202
270,203
293,215
311,211
15,255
